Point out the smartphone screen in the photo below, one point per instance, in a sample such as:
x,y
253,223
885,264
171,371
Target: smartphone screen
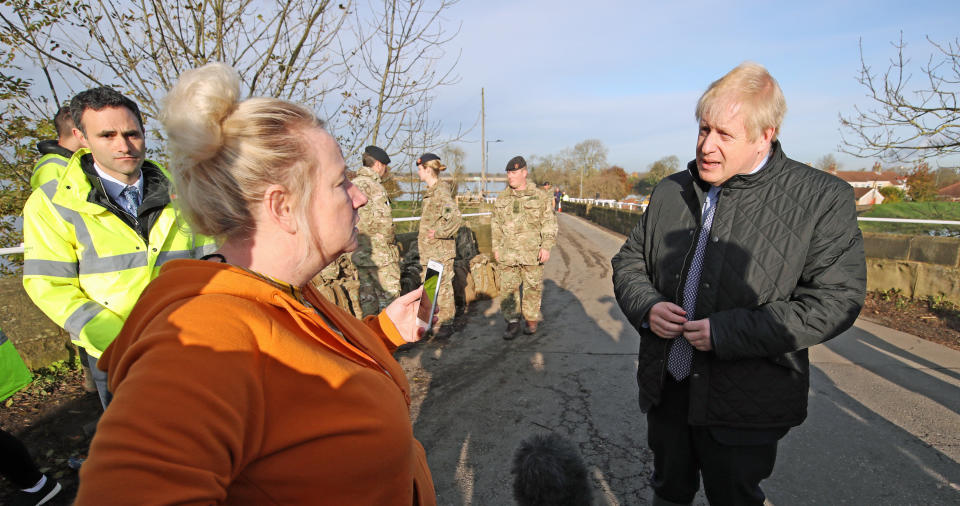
x,y
431,283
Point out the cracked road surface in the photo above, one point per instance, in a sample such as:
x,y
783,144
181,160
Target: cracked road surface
x,y
884,423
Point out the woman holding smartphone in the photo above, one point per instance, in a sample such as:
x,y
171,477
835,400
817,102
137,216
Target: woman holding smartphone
x,y
234,381
439,222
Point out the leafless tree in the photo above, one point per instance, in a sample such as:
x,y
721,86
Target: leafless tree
x,y
396,64
371,72
281,48
907,120
827,162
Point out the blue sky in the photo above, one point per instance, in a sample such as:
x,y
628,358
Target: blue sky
x,y
629,73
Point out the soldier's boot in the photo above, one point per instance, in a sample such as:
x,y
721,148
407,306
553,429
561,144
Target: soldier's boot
x,y
513,329
530,328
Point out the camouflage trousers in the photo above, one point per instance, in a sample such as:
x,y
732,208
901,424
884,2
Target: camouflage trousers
x,y
445,300
516,300
378,287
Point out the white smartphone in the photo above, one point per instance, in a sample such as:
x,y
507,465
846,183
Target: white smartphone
x,y
428,302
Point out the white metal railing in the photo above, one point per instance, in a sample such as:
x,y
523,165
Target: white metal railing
x,y
417,218
19,249
905,220
609,203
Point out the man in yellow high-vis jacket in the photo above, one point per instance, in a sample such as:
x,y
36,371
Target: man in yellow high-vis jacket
x,y
54,154
97,235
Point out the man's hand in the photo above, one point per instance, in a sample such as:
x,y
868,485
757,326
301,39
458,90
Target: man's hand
x,y
496,256
543,256
697,333
666,319
430,233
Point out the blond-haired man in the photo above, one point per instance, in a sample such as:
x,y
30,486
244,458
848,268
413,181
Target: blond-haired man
x,y
739,264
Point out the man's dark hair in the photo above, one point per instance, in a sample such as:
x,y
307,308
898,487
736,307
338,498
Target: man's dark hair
x,y
63,122
99,99
548,470
368,160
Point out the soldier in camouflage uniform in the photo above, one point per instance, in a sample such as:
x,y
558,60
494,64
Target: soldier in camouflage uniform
x,y
524,227
376,256
436,240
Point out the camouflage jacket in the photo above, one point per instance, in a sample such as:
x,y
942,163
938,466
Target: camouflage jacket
x,y
442,215
523,223
376,244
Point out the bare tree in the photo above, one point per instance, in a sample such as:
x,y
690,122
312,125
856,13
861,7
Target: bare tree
x,y
370,71
827,162
396,66
453,156
908,120
589,156
281,48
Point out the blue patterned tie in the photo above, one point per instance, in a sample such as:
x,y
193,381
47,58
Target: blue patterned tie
x,y
681,353
130,197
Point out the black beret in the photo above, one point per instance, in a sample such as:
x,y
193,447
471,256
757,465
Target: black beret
x,y
377,154
426,157
516,163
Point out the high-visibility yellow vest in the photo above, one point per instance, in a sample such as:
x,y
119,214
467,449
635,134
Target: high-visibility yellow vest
x,y
50,165
84,265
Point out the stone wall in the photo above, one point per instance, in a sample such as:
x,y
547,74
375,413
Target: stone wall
x,y
918,266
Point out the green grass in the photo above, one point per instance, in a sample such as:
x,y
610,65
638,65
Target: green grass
x,y
917,211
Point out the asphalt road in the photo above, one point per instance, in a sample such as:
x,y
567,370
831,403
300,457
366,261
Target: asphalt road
x,y
883,425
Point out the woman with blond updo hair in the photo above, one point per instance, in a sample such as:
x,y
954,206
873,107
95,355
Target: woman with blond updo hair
x,y
439,221
233,380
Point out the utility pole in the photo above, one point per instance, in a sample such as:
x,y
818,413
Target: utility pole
x,y
483,143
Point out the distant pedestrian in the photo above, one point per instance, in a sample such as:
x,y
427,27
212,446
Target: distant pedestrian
x,y
54,154
740,264
524,228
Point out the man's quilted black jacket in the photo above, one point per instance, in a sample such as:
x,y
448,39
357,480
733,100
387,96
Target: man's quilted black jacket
x,y
784,270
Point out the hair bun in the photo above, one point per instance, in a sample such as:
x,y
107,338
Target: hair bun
x,y
194,111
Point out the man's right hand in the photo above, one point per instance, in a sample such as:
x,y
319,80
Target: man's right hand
x,y
666,319
496,256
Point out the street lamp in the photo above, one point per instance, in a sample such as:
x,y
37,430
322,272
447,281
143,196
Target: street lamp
x,y
483,177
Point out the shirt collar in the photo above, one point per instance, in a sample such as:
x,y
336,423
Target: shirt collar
x,y
762,162
113,186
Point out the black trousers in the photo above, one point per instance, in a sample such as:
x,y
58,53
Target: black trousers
x,y
15,462
732,462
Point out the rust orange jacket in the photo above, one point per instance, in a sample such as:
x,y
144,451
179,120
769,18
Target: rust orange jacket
x,y
227,389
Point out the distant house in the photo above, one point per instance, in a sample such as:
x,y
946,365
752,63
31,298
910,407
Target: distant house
x,y
951,192
867,183
867,196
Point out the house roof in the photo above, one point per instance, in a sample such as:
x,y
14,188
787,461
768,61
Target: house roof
x,y
866,176
952,190
859,192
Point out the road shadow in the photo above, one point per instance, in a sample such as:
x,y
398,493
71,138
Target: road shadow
x,y
874,354
846,453
478,396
